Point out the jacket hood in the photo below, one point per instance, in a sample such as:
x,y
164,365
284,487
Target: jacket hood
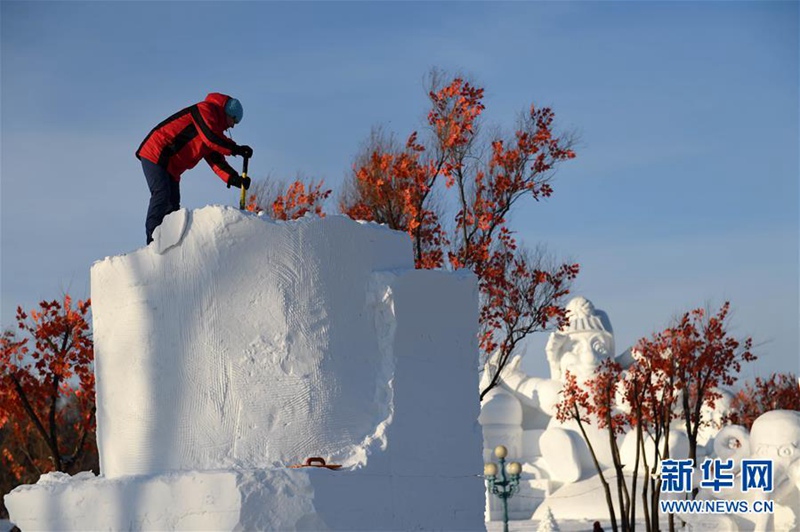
x,y
218,99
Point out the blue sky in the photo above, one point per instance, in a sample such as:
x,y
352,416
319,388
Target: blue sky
x,y
684,192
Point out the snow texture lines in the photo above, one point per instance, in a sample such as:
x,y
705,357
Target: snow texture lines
x,y
257,343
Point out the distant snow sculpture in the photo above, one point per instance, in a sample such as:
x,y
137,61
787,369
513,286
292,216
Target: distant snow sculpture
x,y
557,465
774,436
583,344
578,348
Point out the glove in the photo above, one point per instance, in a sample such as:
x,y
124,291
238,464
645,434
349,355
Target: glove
x,y
243,151
236,181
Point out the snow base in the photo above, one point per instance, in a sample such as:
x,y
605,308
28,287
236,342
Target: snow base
x,y
210,500
266,499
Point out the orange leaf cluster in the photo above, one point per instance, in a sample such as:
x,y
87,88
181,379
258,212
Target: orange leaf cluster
x,y
595,399
296,201
394,186
252,204
781,391
454,111
299,200
677,372
675,375
47,387
696,357
575,402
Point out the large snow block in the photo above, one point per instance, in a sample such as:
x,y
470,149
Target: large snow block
x,y
423,472
242,342
234,346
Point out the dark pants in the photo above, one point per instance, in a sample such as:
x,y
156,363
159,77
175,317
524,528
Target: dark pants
x,y
165,196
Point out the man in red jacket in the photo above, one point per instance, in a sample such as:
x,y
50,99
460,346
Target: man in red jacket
x,y
178,143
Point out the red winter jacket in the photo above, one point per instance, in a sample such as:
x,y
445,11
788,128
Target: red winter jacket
x,y
197,132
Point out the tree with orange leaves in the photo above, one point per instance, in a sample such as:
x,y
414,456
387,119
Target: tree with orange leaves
x,y
394,186
675,376
47,392
690,362
592,402
705,359
651,392
397,185
781,391
290,202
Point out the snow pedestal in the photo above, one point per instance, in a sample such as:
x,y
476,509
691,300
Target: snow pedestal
x,y
232,347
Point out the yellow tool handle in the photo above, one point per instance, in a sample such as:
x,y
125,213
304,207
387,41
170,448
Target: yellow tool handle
x,y
242,198
244,175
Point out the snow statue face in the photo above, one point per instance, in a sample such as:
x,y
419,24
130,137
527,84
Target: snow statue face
x,y
581,346
585,352
776,435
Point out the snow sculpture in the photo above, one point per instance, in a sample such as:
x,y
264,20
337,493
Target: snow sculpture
x,y
582,345
548,524
233,346
774,436
559,480
551,453
501,419
554,454
578,348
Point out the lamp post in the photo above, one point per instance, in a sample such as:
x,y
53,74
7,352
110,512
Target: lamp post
x,y
506,487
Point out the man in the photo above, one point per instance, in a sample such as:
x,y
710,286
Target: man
x,y
178,143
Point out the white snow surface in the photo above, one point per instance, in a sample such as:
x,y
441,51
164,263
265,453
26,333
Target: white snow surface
x,y
234,346
235,341
189,500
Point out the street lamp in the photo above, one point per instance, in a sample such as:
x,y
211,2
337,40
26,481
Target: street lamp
x,y
507,487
